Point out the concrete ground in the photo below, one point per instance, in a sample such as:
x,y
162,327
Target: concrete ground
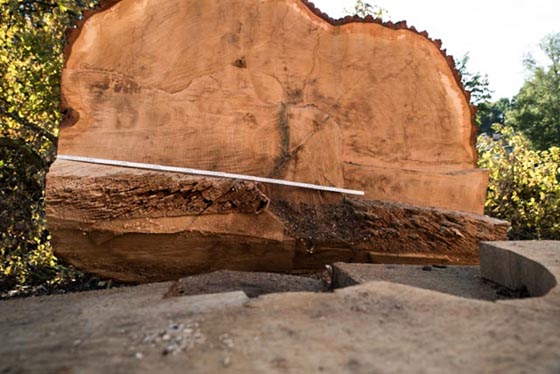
x,y
372,327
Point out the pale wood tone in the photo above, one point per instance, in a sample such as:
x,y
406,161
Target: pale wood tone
x,y
271,89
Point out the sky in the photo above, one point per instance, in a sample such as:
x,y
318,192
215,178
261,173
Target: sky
x,y
497,34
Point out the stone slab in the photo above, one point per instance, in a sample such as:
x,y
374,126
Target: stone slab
x,y
253,284
368,328
516,264
463,281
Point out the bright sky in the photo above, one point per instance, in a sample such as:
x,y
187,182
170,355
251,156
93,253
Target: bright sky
x,y
497,33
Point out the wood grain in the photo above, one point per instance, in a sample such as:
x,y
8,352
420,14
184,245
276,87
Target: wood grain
x,y
272,88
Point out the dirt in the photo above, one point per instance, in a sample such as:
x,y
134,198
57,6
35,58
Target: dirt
x,y
72,281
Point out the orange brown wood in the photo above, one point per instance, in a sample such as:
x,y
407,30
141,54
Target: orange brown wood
x,y
270,88
275,89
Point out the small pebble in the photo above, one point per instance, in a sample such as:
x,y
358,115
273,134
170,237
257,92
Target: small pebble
x,y
226,340
139,355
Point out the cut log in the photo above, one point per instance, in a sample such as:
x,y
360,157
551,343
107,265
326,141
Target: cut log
x,y
275,89
140,226
269,88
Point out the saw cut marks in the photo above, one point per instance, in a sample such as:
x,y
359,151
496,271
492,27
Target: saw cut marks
x,y
272,89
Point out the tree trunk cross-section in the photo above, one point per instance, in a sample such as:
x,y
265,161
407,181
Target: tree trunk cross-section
x,y
270,88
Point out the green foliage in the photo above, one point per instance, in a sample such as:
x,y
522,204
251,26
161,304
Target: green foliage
x,y
490,113
536,109
476,83
31,44
364,9
524,184
25,254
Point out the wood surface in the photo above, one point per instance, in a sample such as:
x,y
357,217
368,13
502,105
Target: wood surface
x,y
141,226
272,88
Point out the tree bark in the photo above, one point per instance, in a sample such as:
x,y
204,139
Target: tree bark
x,y
139,226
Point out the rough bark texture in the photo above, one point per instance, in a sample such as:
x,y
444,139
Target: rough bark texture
x,y
362,231
273,88
139,226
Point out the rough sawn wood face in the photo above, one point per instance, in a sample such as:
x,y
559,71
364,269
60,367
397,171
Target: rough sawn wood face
x,y
270,88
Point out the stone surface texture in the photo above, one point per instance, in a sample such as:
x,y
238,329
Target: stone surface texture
x,y
253,284
463,281
368,328
533,264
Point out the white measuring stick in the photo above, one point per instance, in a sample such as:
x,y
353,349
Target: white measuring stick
x,y
218,174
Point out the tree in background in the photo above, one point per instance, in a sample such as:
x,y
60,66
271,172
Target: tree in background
x,y
476,83
31,43
536,109
524,183
490,113
524,186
